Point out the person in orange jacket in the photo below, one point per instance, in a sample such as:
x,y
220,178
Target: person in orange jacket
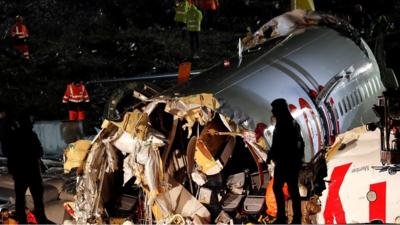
x,y
209,9
77,97
5,217
19,34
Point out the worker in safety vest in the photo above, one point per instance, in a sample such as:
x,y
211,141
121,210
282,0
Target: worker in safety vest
x,y
181,9
77,97
193,24
19,34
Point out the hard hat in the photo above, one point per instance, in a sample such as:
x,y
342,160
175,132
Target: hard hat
x,y
19,18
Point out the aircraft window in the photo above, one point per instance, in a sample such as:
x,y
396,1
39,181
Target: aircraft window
x,y
336,112
359,94
345,106
340,109
378,83
366,90
348,102
373,85
357,101
353,100
370,87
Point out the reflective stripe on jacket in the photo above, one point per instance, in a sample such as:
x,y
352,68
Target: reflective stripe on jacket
x,y
193,19
75,93
181,11
19,30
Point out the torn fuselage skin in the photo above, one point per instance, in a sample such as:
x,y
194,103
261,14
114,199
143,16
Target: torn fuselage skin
x,y
165,142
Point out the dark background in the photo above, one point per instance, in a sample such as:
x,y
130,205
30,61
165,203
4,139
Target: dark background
x,y
107,39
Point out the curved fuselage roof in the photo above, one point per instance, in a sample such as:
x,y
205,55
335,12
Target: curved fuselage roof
x,y
301,62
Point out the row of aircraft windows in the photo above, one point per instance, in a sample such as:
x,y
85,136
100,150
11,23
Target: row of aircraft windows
x,y
366,90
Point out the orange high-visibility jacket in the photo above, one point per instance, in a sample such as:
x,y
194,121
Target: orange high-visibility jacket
x,y
208,4
75,93
19,30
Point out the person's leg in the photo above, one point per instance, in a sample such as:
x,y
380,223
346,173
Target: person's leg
x,y
73,111
20,185
293,177
25,51
73,115
280,200
197,42
192,41
81,115
182,27
36,188
81,111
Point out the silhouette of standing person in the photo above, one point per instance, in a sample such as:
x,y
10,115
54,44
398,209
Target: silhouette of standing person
x,y
193,25
287,151
23,150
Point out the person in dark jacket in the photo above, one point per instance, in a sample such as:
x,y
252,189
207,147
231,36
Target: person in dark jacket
x,y
287,152
23,150
361,20
8,129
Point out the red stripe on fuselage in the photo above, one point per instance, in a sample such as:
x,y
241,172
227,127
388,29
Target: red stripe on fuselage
x,y
377,208
304,104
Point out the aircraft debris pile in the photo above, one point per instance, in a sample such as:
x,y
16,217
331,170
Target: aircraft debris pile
x,y
177,151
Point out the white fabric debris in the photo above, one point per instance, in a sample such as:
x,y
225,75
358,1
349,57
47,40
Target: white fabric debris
x,y
199,178
126,144
179,201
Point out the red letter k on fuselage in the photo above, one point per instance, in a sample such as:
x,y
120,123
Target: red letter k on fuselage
x,y
333,206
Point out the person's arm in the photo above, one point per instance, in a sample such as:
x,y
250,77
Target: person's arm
x,y
272,151
13,31
66,95
300,141
26,32
85,95
3,137
37,145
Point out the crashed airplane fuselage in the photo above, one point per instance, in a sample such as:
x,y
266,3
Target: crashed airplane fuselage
x,y
177,140
329,83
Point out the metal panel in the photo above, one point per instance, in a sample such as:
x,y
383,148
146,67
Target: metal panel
x,y
55,135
